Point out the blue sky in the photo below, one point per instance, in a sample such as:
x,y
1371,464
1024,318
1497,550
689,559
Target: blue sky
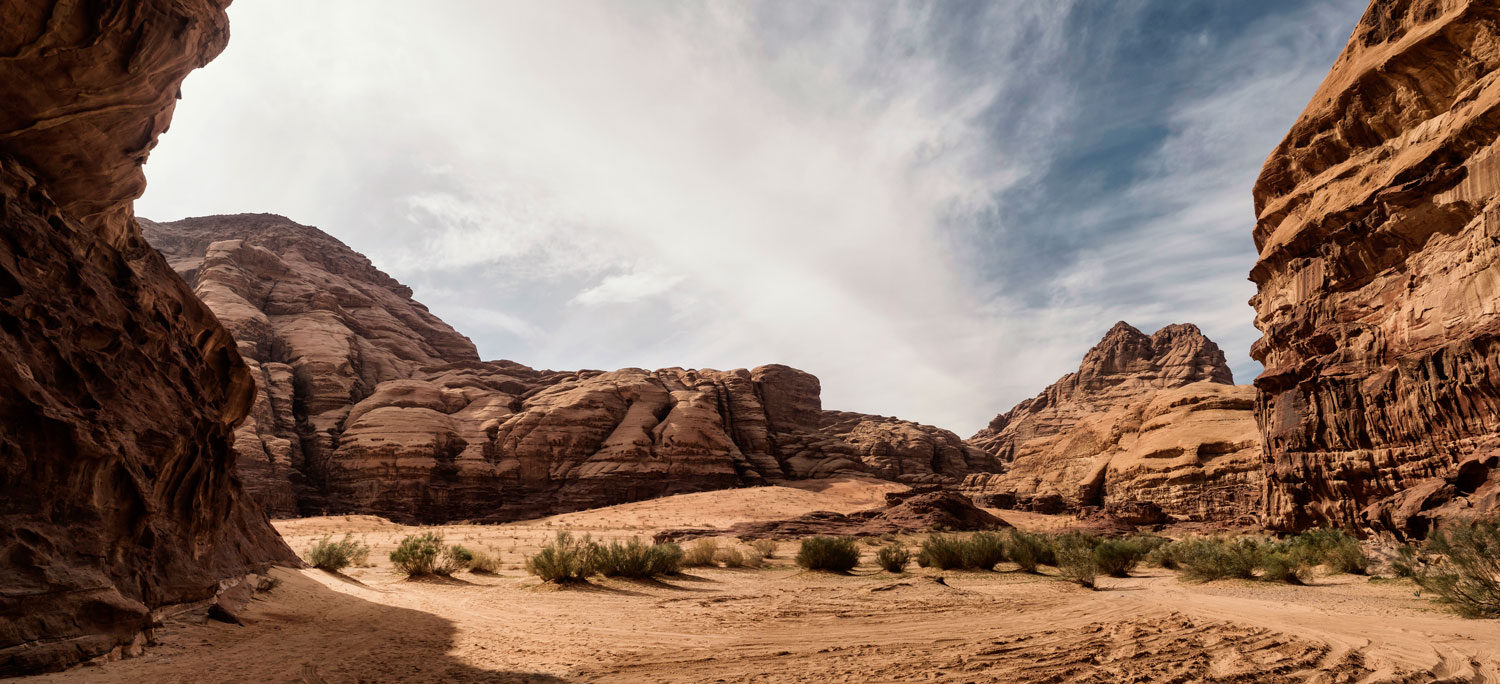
x,y
934,207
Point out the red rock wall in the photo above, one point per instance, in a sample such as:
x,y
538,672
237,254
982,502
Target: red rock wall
x,y
367,403
1146,418
1378,236
118,388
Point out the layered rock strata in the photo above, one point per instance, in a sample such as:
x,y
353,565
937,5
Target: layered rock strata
x,y
367,403
925,511
1145,419
118,388
1378,234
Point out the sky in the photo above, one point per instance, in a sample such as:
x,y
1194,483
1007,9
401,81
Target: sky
x,y
935,207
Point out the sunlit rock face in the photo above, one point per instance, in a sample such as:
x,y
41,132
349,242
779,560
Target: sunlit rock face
x,y
1378,236
366,402
119,390
1146,418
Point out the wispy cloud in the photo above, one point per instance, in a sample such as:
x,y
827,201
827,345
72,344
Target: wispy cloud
x,y
935,207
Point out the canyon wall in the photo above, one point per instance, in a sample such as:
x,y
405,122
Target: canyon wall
x,y
1378,236
368,403
1151,419
118,388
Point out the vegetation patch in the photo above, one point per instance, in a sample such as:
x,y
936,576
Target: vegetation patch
x,y
333,556
833,554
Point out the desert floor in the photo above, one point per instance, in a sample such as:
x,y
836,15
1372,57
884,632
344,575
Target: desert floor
x,y
780,624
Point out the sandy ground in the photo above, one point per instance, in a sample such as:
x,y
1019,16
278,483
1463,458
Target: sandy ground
x,y
780,624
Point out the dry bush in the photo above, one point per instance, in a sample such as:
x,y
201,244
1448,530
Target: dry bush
x,y
484,564
765,547
333,556
835,554
701,553
893,558
730,557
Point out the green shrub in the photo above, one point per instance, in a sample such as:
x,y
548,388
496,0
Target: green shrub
x,y
1408,562
1465,573
893,558
630,559
983,551
636,559
460,557
1333,549
1117,557
1212,558
1166,556
701,553
942,551
1028,550
565,560
1075,559
425,554
666,559
765,547
334,556
1284,563
484,564
836,554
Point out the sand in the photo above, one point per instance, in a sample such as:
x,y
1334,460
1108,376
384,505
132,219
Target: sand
x,y
780,624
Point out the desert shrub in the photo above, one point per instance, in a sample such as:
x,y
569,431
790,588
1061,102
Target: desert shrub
x,y
1212,558
1075,559
457,558
630,559
484,564
837,554
1284,563
731,557
1117,557
765,547
871,541
1465,572
893,558
1166,555
565,560
1408,562
666,559
417,553
984,550
1028,550
942,551
333,556
701,553
1333,549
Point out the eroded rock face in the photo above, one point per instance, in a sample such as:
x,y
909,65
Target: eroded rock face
x,y
118,388
1378,236
367,403
1146,418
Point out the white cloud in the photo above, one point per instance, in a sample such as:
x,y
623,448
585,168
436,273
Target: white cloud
x,y
592,184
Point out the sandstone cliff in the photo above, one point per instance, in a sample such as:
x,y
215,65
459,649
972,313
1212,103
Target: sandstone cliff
x,y
1378,236
368,403
118,389
1146,418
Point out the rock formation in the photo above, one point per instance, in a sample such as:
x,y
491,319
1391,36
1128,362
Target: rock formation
x,y
368,403
929,509
118,388
1144,419
1378,234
